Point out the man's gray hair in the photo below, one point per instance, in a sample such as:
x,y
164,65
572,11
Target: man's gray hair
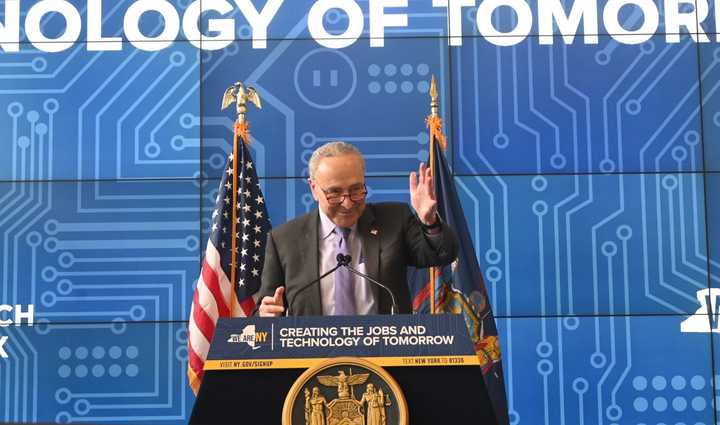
x,y
330,150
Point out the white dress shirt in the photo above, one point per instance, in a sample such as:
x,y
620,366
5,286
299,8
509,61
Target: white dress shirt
x,y
365,302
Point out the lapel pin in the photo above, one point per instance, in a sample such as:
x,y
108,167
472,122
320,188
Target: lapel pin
x,y
374,232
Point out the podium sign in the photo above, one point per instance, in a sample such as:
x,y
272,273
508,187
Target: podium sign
x,y
337,370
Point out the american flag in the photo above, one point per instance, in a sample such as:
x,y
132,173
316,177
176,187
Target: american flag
x,y
215,295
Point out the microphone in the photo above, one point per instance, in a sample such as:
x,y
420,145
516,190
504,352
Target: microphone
x,y
346,262
341,262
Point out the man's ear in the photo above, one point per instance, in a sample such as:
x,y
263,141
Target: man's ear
x,y
311,183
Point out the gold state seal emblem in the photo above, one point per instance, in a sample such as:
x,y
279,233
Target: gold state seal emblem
x,y
345,391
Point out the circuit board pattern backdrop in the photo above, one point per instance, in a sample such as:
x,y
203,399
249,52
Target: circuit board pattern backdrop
x,y
589,174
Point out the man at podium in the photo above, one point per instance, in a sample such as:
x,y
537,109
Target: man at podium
x,y
381,240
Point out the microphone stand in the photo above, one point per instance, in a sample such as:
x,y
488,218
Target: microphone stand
x,y
346,263
340,258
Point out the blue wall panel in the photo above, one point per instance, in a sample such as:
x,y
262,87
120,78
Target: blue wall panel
x,y
100,115
100,251
607,370
579,108
589,244
713,183
710,83
97,373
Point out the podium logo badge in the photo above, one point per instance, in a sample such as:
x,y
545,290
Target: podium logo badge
x,y
249,336
345,391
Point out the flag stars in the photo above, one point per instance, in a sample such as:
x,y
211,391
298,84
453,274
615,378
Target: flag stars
x,y
244,219
239,224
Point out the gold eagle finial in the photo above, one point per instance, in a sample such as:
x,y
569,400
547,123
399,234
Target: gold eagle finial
x,y
241,95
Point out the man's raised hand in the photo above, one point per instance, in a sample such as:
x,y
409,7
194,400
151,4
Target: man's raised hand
x,y
422,195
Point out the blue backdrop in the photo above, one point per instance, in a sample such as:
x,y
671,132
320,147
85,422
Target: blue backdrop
x,y
589,174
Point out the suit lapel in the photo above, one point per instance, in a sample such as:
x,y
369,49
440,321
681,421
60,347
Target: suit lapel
x,y
370,236
311,301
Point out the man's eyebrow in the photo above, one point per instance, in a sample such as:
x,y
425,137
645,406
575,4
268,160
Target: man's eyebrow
x,y
340,189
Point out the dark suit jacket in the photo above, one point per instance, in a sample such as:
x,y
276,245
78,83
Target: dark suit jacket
x,y
392,239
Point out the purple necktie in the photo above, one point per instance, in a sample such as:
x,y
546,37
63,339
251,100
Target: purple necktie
x,y
344,290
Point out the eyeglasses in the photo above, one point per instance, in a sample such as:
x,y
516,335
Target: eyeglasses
x,y
337,197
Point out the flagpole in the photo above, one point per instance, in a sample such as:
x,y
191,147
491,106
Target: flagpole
x,y
233,226
433,115
241,130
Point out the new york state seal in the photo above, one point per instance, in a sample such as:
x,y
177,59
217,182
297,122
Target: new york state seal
x,y
345,391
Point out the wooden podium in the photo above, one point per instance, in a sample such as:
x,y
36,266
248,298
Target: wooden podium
x,y
338,370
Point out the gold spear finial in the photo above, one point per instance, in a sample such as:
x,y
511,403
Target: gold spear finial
x,y
433,97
